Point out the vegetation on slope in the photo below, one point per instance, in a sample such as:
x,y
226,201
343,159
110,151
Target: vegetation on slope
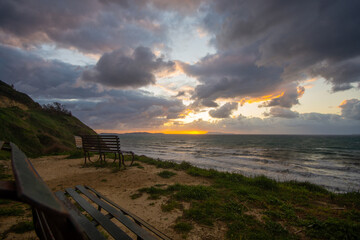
x,y
37,130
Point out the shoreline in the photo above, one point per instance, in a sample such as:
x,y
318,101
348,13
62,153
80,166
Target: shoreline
x,y
196,203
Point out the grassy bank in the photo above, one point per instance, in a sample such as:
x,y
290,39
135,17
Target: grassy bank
x,y
257,207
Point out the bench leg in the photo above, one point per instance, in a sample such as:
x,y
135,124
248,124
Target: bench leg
x,y
89,157
121,160
132,159
85,158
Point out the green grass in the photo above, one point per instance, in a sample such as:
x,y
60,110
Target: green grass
x,y
138,165
76,154
136,195
11,211
166,174
183,227
22,227
284,210
19,228
171,205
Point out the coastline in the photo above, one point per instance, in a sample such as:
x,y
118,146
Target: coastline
x,y
196,203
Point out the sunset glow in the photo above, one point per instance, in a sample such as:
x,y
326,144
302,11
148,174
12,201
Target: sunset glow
x,y
192,132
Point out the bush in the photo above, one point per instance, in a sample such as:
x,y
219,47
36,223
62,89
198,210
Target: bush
x,y
56,108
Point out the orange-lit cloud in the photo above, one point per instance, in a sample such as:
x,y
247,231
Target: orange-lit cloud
x,y
310,83
260,99
175,71
186,112
343,103
300,91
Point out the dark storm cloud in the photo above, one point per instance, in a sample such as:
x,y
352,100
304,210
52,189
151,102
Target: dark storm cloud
x,y
288,99
208,103
123,110
116,69
281,113
224,111
34,75
233,74
351,109
88,25
303,37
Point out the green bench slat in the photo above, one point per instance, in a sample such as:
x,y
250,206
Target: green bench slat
x,y
108,225
135,228
136,218
91,231
30,186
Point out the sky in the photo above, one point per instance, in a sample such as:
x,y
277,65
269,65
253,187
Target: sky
x,y
201,66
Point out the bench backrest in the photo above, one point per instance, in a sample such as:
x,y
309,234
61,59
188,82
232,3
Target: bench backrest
x,y
51,219
101,143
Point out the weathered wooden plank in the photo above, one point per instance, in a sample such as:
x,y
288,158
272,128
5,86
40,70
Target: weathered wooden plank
x,y
109,226
135,228
90,230
30,186
133,216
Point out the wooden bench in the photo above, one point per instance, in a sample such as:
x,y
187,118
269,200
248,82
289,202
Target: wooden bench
x,y
103,144
74,213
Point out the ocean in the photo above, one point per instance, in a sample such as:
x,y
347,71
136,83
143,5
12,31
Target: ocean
x,y
329,161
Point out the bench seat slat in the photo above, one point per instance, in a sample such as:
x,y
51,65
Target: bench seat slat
x,y
91,231
108,225
136,218
135,228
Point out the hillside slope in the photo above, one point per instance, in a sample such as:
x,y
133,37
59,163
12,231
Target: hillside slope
x,y
35,130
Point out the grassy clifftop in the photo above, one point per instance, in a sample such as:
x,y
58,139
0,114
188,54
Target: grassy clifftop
x,y
35,130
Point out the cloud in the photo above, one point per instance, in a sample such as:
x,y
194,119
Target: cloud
x,y
117,69
232,74
224,111
350,109
50,80
129,110
89,25
288,99
304,38
34,75
307,123
281,113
